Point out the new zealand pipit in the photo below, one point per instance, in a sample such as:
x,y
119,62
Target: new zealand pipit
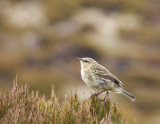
x,y
100,79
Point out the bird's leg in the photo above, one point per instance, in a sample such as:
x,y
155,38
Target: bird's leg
x,y
107,94
96,94
100,92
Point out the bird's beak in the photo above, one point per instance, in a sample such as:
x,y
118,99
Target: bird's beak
x,y
80,59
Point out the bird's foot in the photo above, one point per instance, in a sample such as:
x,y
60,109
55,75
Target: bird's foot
x,y
106,96
101,100
94,95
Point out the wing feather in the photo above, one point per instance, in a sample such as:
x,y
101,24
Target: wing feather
x,y
102,72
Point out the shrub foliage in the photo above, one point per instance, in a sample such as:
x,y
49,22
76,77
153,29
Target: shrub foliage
x,y
19,105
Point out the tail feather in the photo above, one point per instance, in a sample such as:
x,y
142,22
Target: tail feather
x,y
128,95
125,93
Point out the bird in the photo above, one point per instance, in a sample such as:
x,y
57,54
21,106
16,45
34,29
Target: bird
x,y
100,79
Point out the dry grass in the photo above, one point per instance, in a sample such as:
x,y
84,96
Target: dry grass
x,y
18,105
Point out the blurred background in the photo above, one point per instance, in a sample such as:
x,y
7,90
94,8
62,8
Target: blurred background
x,y
39,40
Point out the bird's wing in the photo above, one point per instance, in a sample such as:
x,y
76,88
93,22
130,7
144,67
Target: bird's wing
x,y
111,77
102,72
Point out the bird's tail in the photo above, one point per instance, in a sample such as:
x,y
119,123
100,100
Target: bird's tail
x,y
125,93
128,95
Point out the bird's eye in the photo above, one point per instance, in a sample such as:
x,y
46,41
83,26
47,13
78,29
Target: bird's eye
x,y
85,60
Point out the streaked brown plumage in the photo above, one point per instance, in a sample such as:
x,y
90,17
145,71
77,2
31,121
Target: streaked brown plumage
x,y
100,79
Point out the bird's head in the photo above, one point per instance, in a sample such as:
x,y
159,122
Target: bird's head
x,y
86,62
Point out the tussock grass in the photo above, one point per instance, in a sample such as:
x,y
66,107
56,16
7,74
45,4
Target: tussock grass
x,y
18,105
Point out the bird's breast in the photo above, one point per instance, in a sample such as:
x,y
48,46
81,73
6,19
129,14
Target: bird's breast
x,y
89,78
